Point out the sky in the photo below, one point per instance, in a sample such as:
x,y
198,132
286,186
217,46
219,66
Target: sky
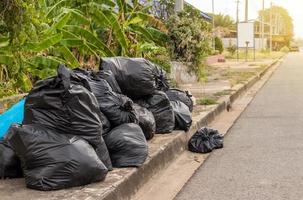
x,y
294,7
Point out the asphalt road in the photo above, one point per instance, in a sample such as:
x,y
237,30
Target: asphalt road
x,y
263,154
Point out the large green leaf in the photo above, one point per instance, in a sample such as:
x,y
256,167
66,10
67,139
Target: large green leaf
x,y
7,60
158,36
61,21
54,8
4,41
122,6
90,37
71,42
142,31
71,39
43,45
43,66
69,56
78,17
100,17
151,20
107,17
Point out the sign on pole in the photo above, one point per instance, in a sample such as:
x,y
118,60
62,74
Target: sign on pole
x,y
246,36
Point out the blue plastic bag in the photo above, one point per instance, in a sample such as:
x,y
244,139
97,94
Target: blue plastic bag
x,y
13,115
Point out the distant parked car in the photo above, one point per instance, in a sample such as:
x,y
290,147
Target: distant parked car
x,y
294,48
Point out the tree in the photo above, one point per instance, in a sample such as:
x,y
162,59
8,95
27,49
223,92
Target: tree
x,y
224,21
285,21
223,24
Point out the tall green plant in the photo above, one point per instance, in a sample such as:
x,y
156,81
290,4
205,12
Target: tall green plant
x,y
35,36
189,38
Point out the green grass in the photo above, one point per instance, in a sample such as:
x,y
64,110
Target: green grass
x,y
237,77
223,93
207,101
259,54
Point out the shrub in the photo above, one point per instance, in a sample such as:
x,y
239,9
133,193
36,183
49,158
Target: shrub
x,y
189,38
219,44
284,49
232,49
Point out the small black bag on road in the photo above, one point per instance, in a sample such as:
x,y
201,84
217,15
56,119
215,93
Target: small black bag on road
x,y
127,146
53,161
162,110
10,166
205,140
182,116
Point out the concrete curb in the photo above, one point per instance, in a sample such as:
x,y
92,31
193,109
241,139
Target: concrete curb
x,y
171,150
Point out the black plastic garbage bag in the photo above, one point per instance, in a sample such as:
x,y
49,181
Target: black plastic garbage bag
x,y
146,121
53,161
10,166
179,95
105,124
162,110
205,140
163,82
116,107
136,77
127,146
183,118
110,78
63,104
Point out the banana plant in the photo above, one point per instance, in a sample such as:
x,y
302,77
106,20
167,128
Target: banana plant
x,y
72,32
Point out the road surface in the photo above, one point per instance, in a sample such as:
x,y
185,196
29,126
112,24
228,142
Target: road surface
x,y
263,154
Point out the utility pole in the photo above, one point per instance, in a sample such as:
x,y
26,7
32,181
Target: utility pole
x,y
262,22
179,5
213,10
270,27
246,10
238,2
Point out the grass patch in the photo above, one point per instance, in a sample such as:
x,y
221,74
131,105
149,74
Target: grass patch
x,y
259,54
237,77
223,93
207,101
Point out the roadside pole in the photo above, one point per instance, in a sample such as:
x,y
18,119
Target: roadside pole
x,y
238,2
270,28
213,23
246,10
262,23
179,5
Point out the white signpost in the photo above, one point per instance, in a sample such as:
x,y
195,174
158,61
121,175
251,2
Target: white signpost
x,y
246,36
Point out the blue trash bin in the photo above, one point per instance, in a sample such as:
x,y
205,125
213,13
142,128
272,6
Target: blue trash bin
x,y
13,115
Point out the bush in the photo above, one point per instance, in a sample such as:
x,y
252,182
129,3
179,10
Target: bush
x,y
219,44
189,38
232,49
285,49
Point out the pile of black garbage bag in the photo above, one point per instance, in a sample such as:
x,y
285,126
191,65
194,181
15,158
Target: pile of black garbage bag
x,y
80,124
